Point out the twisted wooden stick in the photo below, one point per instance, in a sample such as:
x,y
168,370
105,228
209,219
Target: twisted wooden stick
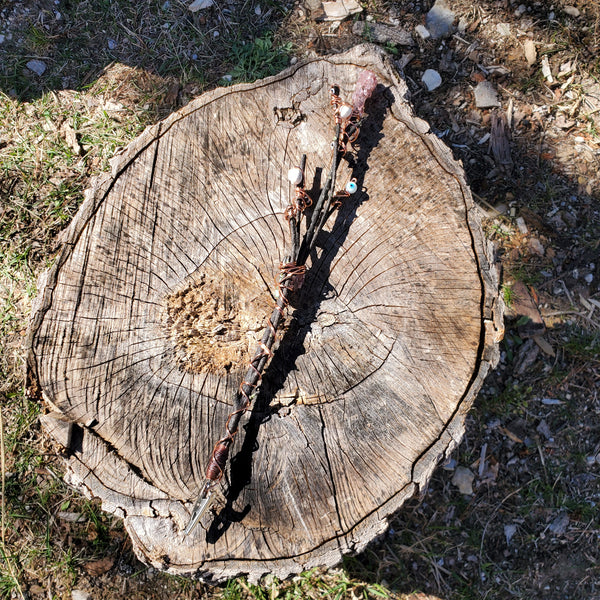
x,y
291,276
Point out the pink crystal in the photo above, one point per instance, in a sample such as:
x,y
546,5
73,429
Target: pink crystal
x,y
365,86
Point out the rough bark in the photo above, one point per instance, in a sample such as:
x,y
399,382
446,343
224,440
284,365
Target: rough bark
x,y
142,328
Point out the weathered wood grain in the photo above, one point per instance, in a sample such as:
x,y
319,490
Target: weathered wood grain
x,y
142,327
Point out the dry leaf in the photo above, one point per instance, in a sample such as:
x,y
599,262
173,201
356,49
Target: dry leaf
x,y
544,345
96,568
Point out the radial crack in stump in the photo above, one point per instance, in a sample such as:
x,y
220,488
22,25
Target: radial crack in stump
x,y
143,327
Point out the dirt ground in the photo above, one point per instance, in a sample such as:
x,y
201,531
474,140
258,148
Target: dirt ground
x,y
514,512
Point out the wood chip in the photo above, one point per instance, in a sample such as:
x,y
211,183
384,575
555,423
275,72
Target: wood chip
x,y
70,136
530,52
546,72
509,434
340,9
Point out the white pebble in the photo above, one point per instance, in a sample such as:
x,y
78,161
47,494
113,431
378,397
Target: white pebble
x,y
503,29
200,5
423,32
295,175
432,79
589,278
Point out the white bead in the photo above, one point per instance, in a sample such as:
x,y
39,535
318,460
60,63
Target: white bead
x,y
351,187
344,111
295,175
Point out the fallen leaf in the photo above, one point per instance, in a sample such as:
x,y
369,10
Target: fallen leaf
x,y
95,568
544,345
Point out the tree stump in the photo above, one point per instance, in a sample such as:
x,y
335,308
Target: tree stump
x,y
143,327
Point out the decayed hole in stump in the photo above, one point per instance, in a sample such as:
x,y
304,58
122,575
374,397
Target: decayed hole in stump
x,y
215,321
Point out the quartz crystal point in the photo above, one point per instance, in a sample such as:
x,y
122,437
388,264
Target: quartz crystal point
x,y
365,86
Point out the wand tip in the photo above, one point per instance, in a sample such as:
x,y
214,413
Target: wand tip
x,y
201,507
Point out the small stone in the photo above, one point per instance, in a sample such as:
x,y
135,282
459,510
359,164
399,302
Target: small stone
x,y
559,524
463,480
572,11
486,95
537,247
200,5
589,278
432,79
37,66
544,429
530,52
521,10
503,29
521,225
440,20
423,32
80,595
112,44
509,532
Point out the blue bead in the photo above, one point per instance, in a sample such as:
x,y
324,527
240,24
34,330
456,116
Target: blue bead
x,y
351,187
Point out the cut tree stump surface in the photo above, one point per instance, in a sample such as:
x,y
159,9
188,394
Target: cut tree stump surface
x,y
143,327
